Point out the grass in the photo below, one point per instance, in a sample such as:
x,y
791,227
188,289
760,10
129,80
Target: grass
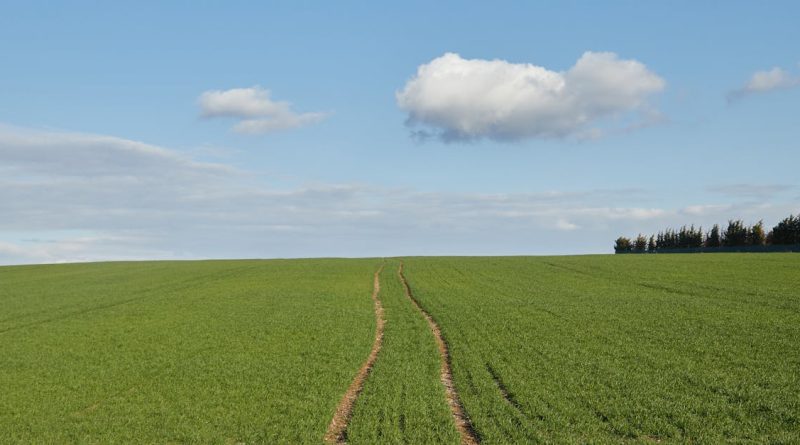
x,y
591,349
188,352
609,349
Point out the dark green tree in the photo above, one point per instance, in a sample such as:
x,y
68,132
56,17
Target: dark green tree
x,y
670,239
714,239
683,237
694,237
787,231
735,234
622,245
640,244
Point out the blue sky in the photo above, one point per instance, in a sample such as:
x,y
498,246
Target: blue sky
x,y
82,84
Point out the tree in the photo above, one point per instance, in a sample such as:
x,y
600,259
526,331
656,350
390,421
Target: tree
x,y
651,244
695,237
622,245
683,237
640,245
735,234
670,239
757,235
713,239
787,231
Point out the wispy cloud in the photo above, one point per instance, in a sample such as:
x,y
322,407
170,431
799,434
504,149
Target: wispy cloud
x,y
256,111
461,99
33,153
79,197
765,81
751,191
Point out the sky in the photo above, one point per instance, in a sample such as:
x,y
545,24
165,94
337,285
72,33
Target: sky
x,y
193,130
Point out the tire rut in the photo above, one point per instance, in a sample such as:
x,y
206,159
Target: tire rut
x,y
501,386
465,429
337,430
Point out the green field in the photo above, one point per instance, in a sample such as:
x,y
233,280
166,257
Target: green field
x,y
185,352
687,348
584,349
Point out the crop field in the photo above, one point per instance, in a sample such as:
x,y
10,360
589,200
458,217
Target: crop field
x,y
495,350
184,352
683,348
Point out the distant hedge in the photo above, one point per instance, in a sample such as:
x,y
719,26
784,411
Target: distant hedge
x,y
737,237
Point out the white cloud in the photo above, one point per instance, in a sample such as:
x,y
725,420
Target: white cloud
x,y
464,99
563,224
78,249
705,209
80,197
770,80
765,81
258,112
79,155
284,122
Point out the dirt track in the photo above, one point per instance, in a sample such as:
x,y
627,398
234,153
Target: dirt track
x,y
465,429
337,430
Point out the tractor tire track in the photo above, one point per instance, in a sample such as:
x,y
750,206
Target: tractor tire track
x,y
465,429
337,430
501,386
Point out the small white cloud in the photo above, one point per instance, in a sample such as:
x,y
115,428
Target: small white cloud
x,y
770,80
563,224
284,122
240,102
623,213
764,81
259,113
705,209
465,99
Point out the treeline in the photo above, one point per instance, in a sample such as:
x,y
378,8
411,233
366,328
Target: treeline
x,y
736,234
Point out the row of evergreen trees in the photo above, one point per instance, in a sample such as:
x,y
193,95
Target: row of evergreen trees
x,y
735,234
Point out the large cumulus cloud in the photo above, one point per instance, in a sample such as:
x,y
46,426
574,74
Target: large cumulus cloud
x,y
464,99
